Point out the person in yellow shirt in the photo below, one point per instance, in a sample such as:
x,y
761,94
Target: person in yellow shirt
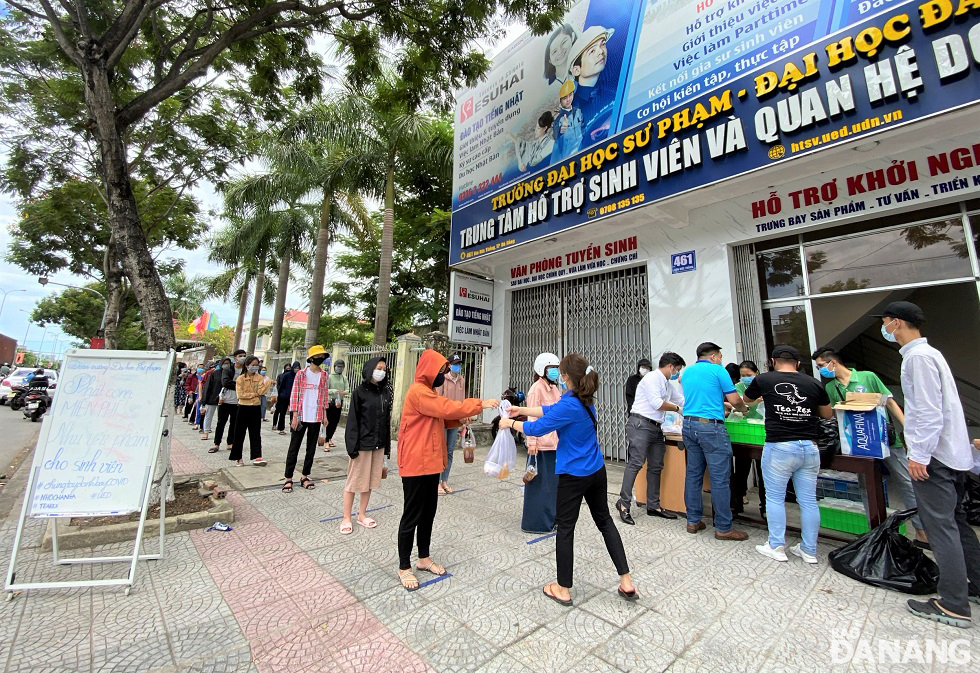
x,y
250,387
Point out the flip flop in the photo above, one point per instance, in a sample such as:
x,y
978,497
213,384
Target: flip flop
x,y
442,490
346,529
367,523
449,489
629,595
555,598
213,450
428,569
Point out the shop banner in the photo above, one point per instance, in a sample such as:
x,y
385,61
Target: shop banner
x,y
908,62
471,309
588,257
914,179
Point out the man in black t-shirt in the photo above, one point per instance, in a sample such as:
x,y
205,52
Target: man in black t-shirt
x,y
794,404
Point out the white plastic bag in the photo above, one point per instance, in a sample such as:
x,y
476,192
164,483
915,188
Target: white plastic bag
x,y
503,454
673,423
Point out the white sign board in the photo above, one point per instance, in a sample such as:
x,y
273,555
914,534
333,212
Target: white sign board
x,y
470,309
99,438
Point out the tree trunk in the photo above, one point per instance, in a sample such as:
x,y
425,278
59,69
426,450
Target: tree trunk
x,y
124,220
242,305
384,273
319,271
256,306
277,317
114,285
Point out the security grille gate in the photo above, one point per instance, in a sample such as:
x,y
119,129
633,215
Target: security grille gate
x,y
606,318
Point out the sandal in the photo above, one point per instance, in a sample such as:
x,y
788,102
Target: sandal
x,y
213,449
282,432
555,598
307,483
239,463
629,595
331,445
406,577
442,490
204,438
288,486
346,528
368,522
448,489
429,569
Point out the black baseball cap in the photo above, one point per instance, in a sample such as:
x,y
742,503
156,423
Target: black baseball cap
x,y
784,352
903,310
454,359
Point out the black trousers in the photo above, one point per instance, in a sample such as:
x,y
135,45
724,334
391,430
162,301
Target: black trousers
x,y
571,491
280,413
249,420
312,431
740,485
227,413
189,404
333,420
421,499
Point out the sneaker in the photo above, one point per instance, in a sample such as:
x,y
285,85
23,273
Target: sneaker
x,y
933,611
974,593
796,551
777,554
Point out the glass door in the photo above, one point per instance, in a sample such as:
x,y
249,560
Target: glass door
x,y
788,324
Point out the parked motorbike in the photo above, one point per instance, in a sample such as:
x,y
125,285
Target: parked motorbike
x,y
36,403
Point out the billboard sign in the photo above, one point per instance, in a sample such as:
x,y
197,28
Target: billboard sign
x,y
470,309
807,91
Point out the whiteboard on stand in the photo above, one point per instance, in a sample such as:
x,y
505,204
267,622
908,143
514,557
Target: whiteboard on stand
x,y
99,439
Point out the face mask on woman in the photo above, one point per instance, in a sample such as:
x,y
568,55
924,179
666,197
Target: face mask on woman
x,y
318,360
378,375
747,379
253,368
262,372
455,369
338,369
240,359
440,379
644,371
552,374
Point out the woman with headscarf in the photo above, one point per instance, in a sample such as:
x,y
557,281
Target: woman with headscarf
x,y
581,472
284,389
336,391
422,457
541,493
368,439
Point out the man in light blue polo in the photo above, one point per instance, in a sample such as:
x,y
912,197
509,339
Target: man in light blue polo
x,y
707,386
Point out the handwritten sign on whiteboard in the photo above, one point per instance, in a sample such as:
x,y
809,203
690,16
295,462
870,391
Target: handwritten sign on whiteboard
x,y
99,439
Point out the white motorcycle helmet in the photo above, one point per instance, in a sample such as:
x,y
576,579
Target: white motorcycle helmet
x,y
545,360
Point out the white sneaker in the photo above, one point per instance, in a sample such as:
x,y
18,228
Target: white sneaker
x,y
777,554
796,551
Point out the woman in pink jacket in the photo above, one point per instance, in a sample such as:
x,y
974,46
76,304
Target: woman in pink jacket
x,y
541,493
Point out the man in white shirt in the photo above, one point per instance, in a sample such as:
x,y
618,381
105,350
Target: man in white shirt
x,y
940,459
655,396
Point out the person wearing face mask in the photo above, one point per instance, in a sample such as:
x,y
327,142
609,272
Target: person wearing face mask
x,y
210,390
368,439
541,493
940,460
228,399
454,388
643,367
422,457
284,390
747,371
249,387
645,441
581,470
307,403
264,402
839,381
191,384
707,387
336,391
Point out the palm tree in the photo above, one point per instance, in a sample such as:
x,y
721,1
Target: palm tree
x,y
377,129
296,170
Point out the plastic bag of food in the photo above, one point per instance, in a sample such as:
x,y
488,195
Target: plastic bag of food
x,y
503,454
673,423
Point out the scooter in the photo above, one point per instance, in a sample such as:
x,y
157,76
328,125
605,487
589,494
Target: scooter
x,y
17,401
37,402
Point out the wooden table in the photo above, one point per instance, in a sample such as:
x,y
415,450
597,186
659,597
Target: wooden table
x,y
867,470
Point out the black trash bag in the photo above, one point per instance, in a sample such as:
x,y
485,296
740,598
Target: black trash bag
x,y
971,501
829,442
886,558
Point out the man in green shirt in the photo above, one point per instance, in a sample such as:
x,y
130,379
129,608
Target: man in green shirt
x,y
839,380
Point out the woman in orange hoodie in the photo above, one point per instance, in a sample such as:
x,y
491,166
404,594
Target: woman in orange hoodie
x,y
422,457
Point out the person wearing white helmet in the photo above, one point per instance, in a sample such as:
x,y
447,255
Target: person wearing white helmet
x,y
541,493
595,90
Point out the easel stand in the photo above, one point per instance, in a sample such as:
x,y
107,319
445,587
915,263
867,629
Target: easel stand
x,y
67,462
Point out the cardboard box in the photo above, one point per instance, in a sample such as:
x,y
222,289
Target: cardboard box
x,y
863,423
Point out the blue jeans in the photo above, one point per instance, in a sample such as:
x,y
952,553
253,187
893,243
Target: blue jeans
x,y
451,435
708,446
800,461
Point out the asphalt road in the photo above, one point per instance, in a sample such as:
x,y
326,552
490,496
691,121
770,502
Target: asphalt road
x,y
17,438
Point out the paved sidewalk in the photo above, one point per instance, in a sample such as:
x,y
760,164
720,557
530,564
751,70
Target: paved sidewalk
x,y
285,591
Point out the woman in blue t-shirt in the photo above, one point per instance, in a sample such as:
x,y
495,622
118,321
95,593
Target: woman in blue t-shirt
x,y
581,472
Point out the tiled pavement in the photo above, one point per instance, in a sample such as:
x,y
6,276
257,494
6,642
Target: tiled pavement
x,y
285,591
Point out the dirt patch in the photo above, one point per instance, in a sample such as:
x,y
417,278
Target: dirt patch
x,y
188,501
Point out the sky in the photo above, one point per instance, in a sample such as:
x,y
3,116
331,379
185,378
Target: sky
x,y
18,304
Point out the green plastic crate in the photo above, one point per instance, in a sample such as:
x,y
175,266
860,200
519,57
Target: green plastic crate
x,y
846,521
743,432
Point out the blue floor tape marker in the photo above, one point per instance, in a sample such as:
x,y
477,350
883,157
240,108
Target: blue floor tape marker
x,y
437,579
543,537
338,518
